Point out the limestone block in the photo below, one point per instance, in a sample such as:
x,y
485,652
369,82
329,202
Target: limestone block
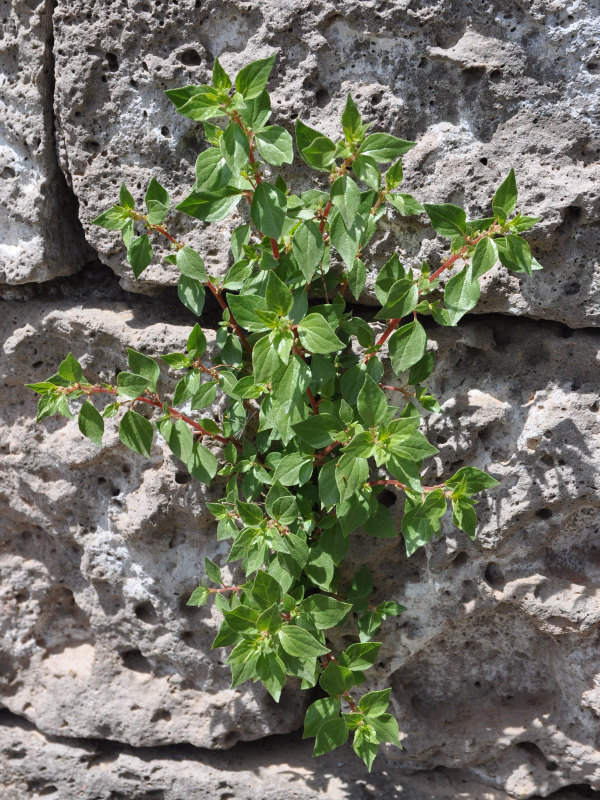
x,y
480,88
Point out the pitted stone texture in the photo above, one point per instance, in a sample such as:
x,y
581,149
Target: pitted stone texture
x,y
479,88
40,236
100,551
496,654
36,766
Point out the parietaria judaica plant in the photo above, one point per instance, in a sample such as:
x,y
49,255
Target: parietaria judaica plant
x,y
309,438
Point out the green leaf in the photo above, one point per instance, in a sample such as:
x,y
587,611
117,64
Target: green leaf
x,y
475,480
144,366
505,199
196,102
178,437
366,745
265,361
202,463
328,491
125,197
318,430
308,248
157,202
267,210
351,120
300,643
407,346
130,385
319,712
235,147
293,470
394,175
366,170
277,295
280,504
463,515
336,680
331,734
316,149
113,219
136,433
361,655
70,369
357,277
191,265
405,204
252,79
350,475
275,145
220,78
345,196
325,612
422,369
245,309
212,171
91,423
375,703
271,670
447,219
515,254
199,597
421,520
372,405
401,300
210,206
346,240
191,293
484,257
461,294
386,729
196,343
384,147
317,335
139,254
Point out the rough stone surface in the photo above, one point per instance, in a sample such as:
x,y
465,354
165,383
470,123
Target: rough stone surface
x,y
481,87
40,236
494,667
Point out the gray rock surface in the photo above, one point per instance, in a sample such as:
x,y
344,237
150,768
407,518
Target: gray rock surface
x,y
494,667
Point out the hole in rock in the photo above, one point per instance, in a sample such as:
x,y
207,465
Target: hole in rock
x,y
161,715
182,477
145,611
494,576
135,661
544,513
190,57
323,98
387,498
113,62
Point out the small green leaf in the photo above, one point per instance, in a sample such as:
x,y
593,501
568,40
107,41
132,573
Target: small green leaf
x,y
375,703
361,655
372,405
350,475
405,204
235,147
190,264
144,366
212,571
268,209
331,734
191,293
157,202
318,430
252,79
130,385
366,745
220,78
136,432
199,597
505,199
446,219
293,470
317,335
202,463
384,147
386,729
393,177
139,254
70,369
515,254
475,480
319,712
125,197
316,149
345,196
357,277
300,643
407,346
308,248
277,295
275,145
325,612
113,219
401,300
463,515
351,120
421,520
91,423
461,294
336,680
484,257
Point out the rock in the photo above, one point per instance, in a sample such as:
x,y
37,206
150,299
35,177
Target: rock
x,y
479,91
40,234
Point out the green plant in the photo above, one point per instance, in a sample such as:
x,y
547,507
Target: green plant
x,y
309,438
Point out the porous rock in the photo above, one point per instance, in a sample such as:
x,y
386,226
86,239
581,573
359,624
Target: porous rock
x,y
480,87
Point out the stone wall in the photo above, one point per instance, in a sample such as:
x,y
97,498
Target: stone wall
x,y
108,683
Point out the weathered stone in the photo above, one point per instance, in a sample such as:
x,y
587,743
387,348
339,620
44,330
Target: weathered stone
x,y
480,90
40,235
